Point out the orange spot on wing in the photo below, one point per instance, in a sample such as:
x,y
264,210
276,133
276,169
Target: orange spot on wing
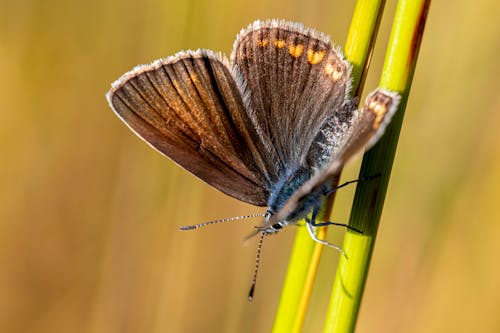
x,y
296,50
315,57
280,43
380,110
262,42
334,71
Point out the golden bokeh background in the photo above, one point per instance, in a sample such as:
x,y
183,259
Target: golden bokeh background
x,y
89,214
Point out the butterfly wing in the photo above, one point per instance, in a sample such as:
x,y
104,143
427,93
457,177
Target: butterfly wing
x,y
297,80
376,114
190,108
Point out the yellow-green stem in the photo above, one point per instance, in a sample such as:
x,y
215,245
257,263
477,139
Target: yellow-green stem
x,y
397,75
306,253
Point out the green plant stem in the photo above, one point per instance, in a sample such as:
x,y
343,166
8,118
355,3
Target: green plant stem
x,y
297,286
397,75
299,280
306,253
361,40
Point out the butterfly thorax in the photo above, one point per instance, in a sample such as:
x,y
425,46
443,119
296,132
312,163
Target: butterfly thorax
x,y
284,189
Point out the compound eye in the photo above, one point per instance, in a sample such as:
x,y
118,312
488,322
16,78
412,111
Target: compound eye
x,y
276,226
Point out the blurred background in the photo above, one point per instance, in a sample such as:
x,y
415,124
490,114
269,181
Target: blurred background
x,y
89,214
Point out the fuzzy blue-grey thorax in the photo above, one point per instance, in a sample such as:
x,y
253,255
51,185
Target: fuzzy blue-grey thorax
x,y
282,191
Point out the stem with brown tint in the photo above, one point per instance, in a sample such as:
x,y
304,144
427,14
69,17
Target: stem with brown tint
x,y
399,66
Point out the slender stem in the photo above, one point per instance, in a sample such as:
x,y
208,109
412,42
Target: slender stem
x,y
298,283
306,253
397,75
300,276
361,40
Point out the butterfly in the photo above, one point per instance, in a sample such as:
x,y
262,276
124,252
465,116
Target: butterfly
x,y
271,126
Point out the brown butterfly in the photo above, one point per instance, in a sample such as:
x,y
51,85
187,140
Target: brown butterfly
x,y
272,126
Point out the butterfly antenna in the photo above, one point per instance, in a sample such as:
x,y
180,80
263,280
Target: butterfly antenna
x,y
229,219
257,263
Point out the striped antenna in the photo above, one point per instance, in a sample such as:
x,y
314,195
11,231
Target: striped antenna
x,y
257,263
229,219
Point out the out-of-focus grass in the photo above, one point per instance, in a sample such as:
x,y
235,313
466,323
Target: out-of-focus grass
x,y
89,213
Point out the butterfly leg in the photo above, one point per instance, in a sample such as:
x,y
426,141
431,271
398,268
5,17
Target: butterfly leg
x,y
362,179
323,224
310,223
315,238
315,223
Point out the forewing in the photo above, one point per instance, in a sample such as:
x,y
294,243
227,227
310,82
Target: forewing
x,y
297,80
190,109
376,114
